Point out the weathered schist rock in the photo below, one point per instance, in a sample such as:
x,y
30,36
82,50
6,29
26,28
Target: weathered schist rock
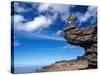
x,y
83,37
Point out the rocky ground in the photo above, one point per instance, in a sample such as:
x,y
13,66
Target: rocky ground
x,y
66,66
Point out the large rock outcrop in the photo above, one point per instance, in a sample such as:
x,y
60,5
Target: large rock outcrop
x,y
83,37
86,38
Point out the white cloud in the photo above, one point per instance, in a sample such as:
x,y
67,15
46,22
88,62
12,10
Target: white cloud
x,y
51,37
53,7
63,10
17,20
38,22
43,36
58,32
68,46
41,21
91,12
19,8
43,7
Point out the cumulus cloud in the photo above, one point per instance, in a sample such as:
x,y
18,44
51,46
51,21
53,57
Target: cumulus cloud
x,y
17,21
43,7
61,9
53,8
91,12
41,21
38,22
18,18
57,9
64,12
45,21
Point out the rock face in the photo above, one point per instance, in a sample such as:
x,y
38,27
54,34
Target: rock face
x,y
86,38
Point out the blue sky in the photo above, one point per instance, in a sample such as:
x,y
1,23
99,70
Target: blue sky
x,y
37,27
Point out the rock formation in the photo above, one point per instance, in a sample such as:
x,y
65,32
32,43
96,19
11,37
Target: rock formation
x,y
86,38
83,37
